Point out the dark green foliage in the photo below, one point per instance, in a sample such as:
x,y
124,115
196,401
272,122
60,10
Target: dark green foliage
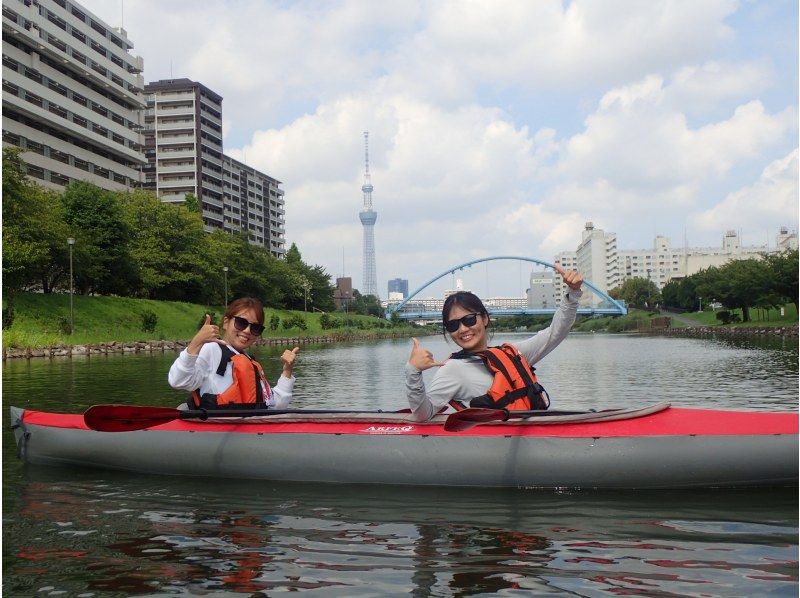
x,y
295,321
131,244
64,325
325,321
8,315
743,284
640,293
274,322
149,321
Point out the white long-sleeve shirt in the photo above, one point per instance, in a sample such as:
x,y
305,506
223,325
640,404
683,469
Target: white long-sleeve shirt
x,y
192,372
465,379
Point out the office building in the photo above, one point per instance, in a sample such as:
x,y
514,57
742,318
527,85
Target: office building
x,y
398,285
72,95
343,293
596,258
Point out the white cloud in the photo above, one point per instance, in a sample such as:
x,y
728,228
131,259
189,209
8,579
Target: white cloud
x,y
772,199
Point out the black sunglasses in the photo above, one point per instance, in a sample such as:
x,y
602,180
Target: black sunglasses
x,y
468,320
241,325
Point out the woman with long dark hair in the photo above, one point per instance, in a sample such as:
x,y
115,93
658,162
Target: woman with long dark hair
x,y
482,376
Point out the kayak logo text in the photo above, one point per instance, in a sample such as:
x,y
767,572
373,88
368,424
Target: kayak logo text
x,y
388,429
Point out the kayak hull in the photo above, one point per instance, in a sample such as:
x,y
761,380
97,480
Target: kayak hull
x,y
414,454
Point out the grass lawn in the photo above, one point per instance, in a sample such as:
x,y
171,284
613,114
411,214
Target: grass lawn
x,y
43,321
758,317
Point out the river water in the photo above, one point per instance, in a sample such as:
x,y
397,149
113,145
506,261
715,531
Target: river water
x,y
74,532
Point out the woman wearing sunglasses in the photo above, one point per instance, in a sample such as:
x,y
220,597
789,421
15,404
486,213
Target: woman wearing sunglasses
x,y
483,376
218,371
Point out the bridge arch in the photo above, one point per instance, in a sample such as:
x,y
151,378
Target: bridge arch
x,y
616,307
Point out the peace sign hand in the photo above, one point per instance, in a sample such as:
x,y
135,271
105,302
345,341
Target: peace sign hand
x,y
208,333
572,279
420,358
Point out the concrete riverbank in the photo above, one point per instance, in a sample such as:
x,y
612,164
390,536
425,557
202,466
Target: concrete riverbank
x,y
177,346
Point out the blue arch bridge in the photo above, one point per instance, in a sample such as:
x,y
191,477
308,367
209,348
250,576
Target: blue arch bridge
x,y
417,309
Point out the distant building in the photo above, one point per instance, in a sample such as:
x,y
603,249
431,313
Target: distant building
x,y
72,95
398,285
343,293
786,239
662,262
541,294
569,261
596,259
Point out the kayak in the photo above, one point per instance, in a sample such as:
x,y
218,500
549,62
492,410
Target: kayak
x,y
657,446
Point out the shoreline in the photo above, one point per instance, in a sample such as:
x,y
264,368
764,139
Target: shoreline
x,y
154,346
729,331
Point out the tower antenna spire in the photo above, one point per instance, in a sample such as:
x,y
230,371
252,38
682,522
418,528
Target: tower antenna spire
x,y
368,217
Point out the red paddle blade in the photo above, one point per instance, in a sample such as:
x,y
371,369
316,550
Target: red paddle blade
x,y
125,418
464,420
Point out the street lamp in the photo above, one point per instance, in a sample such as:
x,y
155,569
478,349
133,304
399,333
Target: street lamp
x,y
306,286
71,242
225,271
699,303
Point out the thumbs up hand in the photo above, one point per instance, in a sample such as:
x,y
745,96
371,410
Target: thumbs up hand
x,y
420,358
208,332
288,358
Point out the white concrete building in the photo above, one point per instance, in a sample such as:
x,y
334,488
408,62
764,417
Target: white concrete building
x,y
662,262
541,294
597,260
569,261
72,95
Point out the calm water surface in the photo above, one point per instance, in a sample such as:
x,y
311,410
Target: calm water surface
x,y
73,532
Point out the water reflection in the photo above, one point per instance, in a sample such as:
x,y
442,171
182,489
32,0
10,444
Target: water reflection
x,y
121,534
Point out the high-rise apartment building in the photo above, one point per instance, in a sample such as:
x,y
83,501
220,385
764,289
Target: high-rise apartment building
x,y
569,261
183,139
72,95
596,258
253,204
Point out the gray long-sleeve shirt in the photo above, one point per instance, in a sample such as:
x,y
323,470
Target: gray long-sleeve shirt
x,y
465,379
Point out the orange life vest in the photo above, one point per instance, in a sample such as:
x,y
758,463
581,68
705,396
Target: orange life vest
x,y
515,386
250,389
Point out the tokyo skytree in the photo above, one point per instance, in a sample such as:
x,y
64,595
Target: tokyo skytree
x,y
368,217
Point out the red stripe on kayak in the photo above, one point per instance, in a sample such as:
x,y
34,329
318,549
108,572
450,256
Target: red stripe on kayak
x,y
670,422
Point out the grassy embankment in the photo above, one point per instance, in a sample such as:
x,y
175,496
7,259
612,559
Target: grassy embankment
x,y
43,321
760,319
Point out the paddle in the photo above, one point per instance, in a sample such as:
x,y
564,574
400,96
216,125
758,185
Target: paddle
x,y
466,419
126,418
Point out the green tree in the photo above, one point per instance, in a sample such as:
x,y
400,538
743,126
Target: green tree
x,y
35,251
169,248
192,204
640,292
737,284
96,220
783,275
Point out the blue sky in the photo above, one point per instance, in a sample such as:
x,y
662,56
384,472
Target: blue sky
x,y
497,128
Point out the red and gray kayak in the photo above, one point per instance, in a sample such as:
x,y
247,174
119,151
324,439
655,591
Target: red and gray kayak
x,y
652,447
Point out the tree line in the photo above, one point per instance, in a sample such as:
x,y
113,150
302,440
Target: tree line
x,y
765,283
128,243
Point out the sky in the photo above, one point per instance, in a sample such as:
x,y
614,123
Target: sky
x,y
496,128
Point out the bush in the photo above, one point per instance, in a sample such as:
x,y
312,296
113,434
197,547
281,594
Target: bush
x,y
274,322
325,321
8,316
64,326
149,321
724,316
295,322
